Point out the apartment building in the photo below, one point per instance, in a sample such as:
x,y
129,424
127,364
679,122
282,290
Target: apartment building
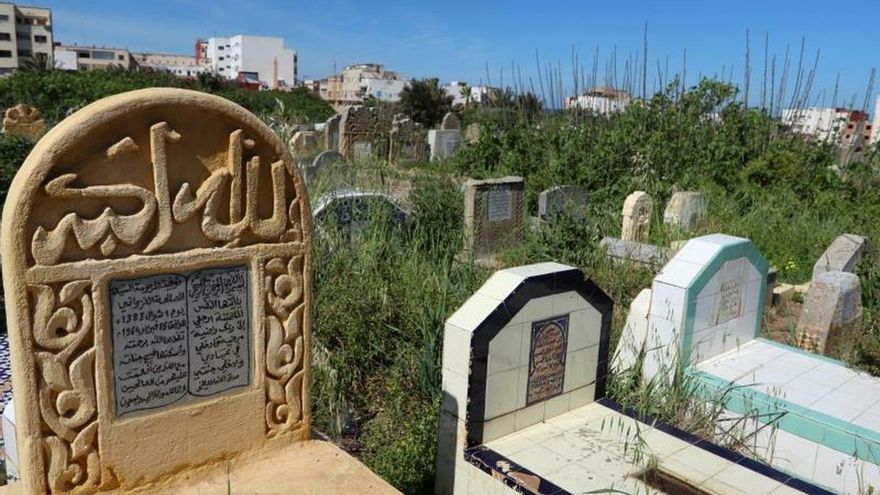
x,y
76,57
833,124
359,81
25,32
600,100
179,65
250,58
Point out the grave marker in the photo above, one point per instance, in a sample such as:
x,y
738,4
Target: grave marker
x,y
562,201
685,209
842,255
363,133
493,212
23,120
156,250
443,143
450,122
406,141
637,210
331,133
833,305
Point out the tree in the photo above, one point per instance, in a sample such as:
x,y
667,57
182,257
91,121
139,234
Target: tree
x,y
467,93
38,62
425,101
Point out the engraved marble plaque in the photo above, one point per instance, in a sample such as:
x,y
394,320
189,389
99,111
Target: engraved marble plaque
x,y
728,301
499,202
547,353
179,336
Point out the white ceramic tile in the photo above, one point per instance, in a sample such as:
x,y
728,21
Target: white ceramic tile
x,y
794,454
501,393
577,478
455,388
753,274
529,416
753,301
557,405
535,310
703,313
667,302
568,302
678,273
582,396
584,328
456,349
865,386
569,448
498,427
836,470
580,368
538,459
533,270
831,374
522,386
473,312
698,253
500,285
505,350
869,419
839,404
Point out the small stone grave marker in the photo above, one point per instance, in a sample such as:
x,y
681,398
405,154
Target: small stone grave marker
x,y
562,201
685,209
637,210
493,211
23,120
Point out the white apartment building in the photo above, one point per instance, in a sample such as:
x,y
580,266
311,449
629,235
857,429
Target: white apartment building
x,y
179,65
842,125
603,101
248,57
25,32
875,133
358,81
455,89
78,58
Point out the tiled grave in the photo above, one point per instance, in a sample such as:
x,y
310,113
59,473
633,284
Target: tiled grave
x,y
705,308
524,366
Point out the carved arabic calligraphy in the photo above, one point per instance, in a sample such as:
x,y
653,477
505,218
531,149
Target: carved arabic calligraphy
x,y
238,179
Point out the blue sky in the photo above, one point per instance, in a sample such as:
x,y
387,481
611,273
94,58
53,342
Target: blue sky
x,y
455,40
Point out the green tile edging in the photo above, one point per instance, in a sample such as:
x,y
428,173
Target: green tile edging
x,y
834,433
742,249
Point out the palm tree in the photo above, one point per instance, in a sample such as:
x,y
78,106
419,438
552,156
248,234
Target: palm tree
x,y
466,93
38,62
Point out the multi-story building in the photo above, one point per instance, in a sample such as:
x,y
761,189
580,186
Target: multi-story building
x,y
251,58
76,57
179,65
359,81
25,33
835,124
459,91
601,100
875,126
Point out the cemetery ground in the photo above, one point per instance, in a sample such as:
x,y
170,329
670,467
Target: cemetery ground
x,y
381,300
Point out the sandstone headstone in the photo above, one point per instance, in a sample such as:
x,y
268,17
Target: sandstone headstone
x,y
450,121
842,255
493,215
443,143
156,252
685,209
637,209
302,142
331,133
363,133
406,141
473,132
833,304
562,201
23,120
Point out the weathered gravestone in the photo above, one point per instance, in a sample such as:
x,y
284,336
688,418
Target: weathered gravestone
x,y
331,133
406,141
363,133
156,250
302,142
636,252
23,120
842,255
450,122
493,215
443,143
473,132
685,209
833,305
326,160
637,210
562,201
350,212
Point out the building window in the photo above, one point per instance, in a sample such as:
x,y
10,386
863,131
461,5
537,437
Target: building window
x,y
103,55
220,47
40,39
5,37
4,18
23,36
24,53
5,54
121,57
221,58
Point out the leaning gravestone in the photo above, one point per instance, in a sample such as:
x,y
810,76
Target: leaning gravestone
x,y
685,209
637,216
832,305
331,133
843,255
23,120
562,201
156,250
493,215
